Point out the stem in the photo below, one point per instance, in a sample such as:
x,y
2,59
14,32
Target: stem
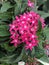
x,y
35,3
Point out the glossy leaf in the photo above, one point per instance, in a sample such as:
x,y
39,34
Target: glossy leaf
x,y
5,7
4,30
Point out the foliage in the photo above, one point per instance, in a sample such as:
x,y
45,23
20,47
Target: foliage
x,y
8,53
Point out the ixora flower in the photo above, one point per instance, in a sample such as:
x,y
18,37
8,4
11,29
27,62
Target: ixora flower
x,y
30,4
24,28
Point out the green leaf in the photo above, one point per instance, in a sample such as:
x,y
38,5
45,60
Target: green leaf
x,y
46,6
23,6
44,59
5,7
17,9
38,52
41,45
6,59
2,54
40,26
12,58
4,42
46,31
6,46
6,15
18,1
32,53
20,57
20,6
4,30
3,39
4,64
43,14
40,2
2,23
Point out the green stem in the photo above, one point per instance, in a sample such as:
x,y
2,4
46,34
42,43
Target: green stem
x,y
35,3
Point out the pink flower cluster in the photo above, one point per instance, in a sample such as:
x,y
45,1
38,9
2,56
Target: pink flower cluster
x,y
30,4
24,28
